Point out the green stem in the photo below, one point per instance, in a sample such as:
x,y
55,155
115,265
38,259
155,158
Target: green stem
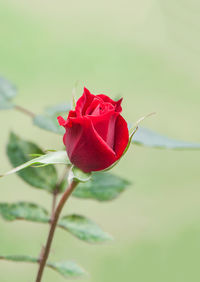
x,y
54,221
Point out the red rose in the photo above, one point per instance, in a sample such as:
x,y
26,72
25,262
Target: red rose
x,y
96,134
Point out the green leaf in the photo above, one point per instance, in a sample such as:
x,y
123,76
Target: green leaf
x,y
48,123
48,120
5,105
83,228
19,258
23,210
18,152
7,89
58,109
78,175
80,226
68,269
103,186
7,92
149,138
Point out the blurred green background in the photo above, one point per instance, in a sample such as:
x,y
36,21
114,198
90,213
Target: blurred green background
x,y
149,53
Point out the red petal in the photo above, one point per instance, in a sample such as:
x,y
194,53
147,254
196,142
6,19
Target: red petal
x,y
117,104
121,136
61,121
83,102
93,108
105,126
86,149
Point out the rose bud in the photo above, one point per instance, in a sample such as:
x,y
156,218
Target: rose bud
x,y
96,134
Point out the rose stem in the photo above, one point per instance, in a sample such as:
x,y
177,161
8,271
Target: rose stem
x,y
53,203
56,191
24,111
54,200
54,221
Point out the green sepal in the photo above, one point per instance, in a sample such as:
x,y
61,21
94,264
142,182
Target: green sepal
x,y
77,175
20,152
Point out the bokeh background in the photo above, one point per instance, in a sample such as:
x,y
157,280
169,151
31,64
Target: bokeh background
x,y
147,51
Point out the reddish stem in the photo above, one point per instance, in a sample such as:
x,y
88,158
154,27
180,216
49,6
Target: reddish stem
x,y
54,221
24,111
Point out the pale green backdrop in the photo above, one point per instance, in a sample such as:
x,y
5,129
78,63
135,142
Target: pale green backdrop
x,y
149,53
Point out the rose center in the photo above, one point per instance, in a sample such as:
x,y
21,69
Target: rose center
x,y
98,108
